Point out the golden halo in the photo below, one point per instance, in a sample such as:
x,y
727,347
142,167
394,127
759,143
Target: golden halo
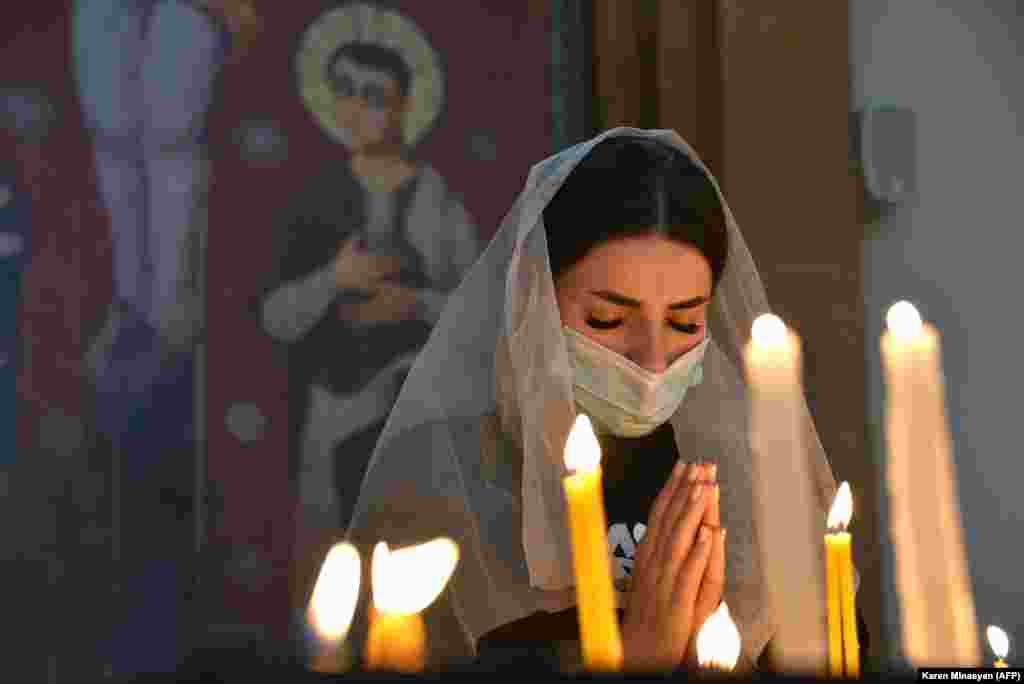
x,y
364,22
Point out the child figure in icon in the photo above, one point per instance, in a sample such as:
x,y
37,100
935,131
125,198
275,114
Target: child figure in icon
x,y
366,255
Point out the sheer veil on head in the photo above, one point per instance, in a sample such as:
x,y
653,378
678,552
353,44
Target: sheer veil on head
x,y
473,449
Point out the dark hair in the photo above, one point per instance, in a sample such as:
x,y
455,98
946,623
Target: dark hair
x,y
630,186
373,56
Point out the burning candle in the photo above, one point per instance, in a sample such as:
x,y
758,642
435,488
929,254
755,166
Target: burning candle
x,y
332,606
844,646
600,640
404,583
835,615
718,642
791,534
936,600
1000,645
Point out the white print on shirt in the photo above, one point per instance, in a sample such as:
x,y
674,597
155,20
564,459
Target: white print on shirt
x,y
622,547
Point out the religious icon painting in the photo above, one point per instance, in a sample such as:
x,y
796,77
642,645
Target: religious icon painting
x,y
227,234
362,154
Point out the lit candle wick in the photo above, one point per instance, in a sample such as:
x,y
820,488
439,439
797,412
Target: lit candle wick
x,y
333,604
718,642
1000,644
904,321
768,330
405,583
842,509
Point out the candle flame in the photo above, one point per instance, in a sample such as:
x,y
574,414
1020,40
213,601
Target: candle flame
x,y
582,450
998,640
718,643
903,320
768,331
408,580
337,589
842,508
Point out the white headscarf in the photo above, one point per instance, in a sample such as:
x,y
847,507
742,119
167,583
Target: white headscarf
x,y
497,357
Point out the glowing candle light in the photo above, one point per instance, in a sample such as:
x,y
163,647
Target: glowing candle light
x,y
769,332
1000,644
844,645
332,605
904,322
936,600
718,642
791,534
405,582
600,639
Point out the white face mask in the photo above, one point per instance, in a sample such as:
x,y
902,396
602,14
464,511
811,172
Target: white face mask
x,y
622,397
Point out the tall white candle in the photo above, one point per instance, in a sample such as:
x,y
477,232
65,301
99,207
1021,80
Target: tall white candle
x,y
790,526
932,579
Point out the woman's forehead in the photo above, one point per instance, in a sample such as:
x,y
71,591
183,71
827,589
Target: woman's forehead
x,y
644,268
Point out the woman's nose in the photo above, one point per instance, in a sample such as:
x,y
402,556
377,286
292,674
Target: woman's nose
x,y
649,351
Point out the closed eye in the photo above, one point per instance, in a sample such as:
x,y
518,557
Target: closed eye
x,y
599,324
688,328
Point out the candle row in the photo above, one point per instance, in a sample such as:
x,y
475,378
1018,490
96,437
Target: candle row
x,y
407,581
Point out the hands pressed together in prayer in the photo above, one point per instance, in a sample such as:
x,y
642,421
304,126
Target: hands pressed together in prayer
x,y
387,302
678,573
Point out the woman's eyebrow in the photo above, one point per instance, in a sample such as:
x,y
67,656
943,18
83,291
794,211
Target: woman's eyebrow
x,y
689,303
623,300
